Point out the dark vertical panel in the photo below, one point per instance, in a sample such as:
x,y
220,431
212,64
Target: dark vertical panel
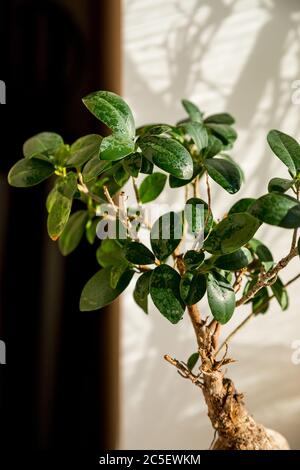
x,y
59,387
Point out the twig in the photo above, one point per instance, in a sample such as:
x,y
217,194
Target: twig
x,y
83,188
196,187
184,371
267,277
251,315
110,199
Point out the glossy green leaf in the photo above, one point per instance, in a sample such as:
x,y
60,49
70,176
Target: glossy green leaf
x,y
117,272
83,149
221,297
29,172
73,232
192,360
61,205
146,166
91,230
225,173
192,287
214,146
109,253
178,182
198,133
193,111
132,164
151,187
260,302
154,129
120,175
220,118
234,261
280,293
98,293
231,233
262,252
112,110
196,214
94,168
280,185
142,290
169,155
41,143
137,253
286,149
115,147
193,259
242,205
224,132
166,234
277,209
164,291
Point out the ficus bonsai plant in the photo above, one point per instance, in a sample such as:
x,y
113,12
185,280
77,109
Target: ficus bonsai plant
x,y
190,257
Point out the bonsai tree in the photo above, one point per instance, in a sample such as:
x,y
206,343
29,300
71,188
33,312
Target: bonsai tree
x,y
190,257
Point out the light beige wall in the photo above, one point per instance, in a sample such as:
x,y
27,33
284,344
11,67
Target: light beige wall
x,y
241,56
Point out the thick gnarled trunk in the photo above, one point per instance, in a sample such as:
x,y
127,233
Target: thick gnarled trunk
x,y
235,427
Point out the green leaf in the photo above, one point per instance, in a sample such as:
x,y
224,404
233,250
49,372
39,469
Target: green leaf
x,y
132,164
286,149
73,232
117,272
242,205
260,302
137,253
196,214
280,293
166,234
198,133
221,297
115,147
277,209
61,205
279,185
231,233
151,187
112,110
109,253
91,230
98,293
29,172
142,290
164,291
83,149
224,132
225,173
193,259
221,118
192,287
262,252
214,147
169,155
94,168
41,143
120,174
154,129
234,261
192,360
146,166
193,111
177,182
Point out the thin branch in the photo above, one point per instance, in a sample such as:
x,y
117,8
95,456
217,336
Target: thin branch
x,y
110,199
267,277
252,314
84,189
184,371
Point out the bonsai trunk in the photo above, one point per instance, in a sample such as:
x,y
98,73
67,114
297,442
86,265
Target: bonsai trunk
x,y
235,427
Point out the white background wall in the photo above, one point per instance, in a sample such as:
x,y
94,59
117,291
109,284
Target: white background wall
x,y
241,56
